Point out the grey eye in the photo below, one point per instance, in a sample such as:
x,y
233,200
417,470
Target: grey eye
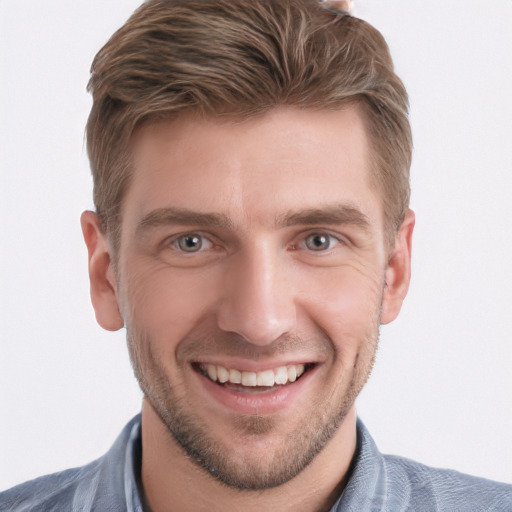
x,y
190,243
318,242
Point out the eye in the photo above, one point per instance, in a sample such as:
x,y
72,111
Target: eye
x,y
191,243
320,242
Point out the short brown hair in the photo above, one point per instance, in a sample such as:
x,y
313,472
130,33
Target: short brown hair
x,y
243,57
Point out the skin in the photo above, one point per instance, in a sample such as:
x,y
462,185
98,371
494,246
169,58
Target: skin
x,y
255,293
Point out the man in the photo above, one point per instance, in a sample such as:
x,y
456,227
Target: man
x,y
252,231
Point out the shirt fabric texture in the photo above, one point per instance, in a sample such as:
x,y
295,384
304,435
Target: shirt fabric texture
x,y
378,482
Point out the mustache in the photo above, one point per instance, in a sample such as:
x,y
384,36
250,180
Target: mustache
x,y
229,344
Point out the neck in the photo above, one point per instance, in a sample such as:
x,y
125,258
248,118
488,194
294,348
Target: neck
x,y
171,480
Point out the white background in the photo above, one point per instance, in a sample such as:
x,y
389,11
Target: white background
x,y
441,389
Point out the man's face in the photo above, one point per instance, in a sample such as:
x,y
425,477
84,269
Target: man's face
x,y
251,279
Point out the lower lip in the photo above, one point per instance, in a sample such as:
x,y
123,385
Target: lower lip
x,y
265,402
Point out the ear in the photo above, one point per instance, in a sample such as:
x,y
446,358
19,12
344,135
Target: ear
x,y
398,270
101,273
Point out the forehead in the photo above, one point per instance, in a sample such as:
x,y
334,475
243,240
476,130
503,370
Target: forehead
x,y
253,170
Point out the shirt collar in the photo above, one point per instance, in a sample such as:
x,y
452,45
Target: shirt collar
x,y
366,488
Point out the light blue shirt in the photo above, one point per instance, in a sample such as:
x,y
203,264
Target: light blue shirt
x,y
378,483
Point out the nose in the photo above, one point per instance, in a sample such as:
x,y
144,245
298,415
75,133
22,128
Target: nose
x,y
258,301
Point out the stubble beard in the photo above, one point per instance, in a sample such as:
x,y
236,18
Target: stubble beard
x,y
305,442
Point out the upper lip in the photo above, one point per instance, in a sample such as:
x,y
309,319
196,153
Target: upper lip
x,y
254,366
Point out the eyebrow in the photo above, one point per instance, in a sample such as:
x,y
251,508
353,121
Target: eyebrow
x,y
333,214
339,214
182,216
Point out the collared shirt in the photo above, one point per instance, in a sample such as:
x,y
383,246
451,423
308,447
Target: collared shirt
x,y
377,483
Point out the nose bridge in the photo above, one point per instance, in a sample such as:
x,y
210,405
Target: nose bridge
x,y
258,302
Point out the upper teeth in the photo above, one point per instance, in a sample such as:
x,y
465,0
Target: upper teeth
x,y
280,375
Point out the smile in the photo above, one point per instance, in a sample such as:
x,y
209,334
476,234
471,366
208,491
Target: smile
x,y
281,375
247,391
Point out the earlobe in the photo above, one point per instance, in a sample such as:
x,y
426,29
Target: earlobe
x,y
101,273
398,271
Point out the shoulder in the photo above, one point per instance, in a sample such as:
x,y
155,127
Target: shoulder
x,y
388,482
49,493
446,489
107,483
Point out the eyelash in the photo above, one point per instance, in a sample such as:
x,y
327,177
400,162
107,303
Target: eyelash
x,y
175,242
334,240
303,244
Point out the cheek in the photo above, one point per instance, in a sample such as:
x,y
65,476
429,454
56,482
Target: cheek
x,y
166,301
346,305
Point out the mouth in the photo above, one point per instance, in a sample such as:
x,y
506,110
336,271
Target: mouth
x,y
244,381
